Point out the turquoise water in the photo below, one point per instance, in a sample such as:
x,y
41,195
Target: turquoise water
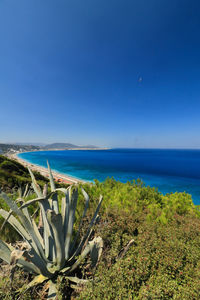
x,y
168,170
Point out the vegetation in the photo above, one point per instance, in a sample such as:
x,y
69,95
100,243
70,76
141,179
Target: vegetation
x,y
13,175
164,260
151,242
55,251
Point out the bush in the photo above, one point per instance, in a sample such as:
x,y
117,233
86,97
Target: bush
x,y
162,264
164,260
135,196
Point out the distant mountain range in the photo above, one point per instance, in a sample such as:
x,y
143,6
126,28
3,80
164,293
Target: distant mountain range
x,y
12,148
31,144
17,147
67,146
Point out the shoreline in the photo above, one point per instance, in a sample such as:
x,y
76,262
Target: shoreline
x,y
58,177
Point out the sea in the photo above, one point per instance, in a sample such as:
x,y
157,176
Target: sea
x,y
167,170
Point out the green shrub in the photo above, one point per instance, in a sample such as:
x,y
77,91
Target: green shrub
x,y
164,260
14,174
163,263
135,196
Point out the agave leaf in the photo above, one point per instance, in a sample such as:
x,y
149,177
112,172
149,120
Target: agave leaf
x,y
81,222
58,230
36,187
26,191
37,242
65,206
72,209
32,201
46,233
15,255
5,252
63,210
55,221
55,203
16,225
26,224
52,184
6,219
38,233
37,280
52,291
26,213
63,190
35,231
76,280
20,191
40,199
33,261
49,243
82,242
66,201
45,190
35,212
28,266
96,246
13,206
86,201
25,235
36,259
65,270
39,262
80,258
95,249
25,210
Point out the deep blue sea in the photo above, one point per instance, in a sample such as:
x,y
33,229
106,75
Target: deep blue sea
x,y
168,170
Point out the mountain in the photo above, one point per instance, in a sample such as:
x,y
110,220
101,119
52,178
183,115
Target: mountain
x,y
31,144
66,146
60,146
12,148
16,147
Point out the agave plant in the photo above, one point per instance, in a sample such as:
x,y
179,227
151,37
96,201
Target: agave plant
x,y
54,250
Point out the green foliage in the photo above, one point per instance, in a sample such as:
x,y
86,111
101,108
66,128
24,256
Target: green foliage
x,y
135,196
8,289
14,174
163,263
56,250
164,260
7,232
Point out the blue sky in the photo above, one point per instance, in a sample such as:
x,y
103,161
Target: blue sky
x,y
117,73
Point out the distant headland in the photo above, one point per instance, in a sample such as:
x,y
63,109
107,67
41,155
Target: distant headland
x,y
23,147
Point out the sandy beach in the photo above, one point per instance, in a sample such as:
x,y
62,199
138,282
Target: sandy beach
x,y
59,177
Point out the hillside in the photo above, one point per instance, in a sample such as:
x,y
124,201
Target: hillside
x,y
13,174
60,146
12,148
163,260
66,146
151,241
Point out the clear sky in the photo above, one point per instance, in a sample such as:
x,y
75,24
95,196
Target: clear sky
x,y
105,72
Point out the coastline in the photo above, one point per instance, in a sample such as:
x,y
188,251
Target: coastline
x,y
59,177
